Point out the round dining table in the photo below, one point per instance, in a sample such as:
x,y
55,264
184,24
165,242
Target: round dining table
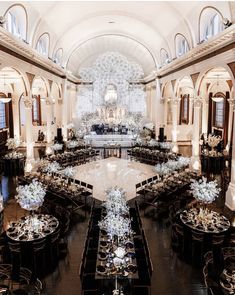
x,y
204,220
32,227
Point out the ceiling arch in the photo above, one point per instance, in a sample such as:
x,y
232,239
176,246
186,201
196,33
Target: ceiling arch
x,y
86,53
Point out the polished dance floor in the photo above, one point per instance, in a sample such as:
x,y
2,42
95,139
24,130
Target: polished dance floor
x,y
110,172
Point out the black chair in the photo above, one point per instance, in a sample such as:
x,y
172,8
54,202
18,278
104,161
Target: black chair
x,y
16,259
39,257
197,247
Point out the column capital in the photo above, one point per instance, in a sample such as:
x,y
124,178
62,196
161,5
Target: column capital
x,y
231,103
48,101
175,100
197,101
28,102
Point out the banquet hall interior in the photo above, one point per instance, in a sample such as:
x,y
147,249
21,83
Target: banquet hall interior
x,y
117,147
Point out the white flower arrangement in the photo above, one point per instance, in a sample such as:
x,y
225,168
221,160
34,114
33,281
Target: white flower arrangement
x,y
205,192
52,167
31,197
153,142
12,143
70,126
69,172
114,222
42,165
116,201
72,144
57,146
14,155
115,225
171,166
213,140
166,145
162,169
184,161
149,126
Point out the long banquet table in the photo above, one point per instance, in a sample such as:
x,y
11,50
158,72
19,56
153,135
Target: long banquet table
x,y
130,282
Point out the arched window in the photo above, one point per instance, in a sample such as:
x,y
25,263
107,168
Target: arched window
x,y
43,44
181,45
211,23
36,110
58,56
16,21
184,109
3,120
219,110
165,59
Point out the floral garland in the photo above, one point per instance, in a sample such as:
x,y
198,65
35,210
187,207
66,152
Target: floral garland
x,y
205,192
31,197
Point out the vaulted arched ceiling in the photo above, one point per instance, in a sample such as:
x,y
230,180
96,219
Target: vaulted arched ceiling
x,y
137,29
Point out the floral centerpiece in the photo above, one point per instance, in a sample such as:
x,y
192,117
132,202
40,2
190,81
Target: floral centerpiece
x,y
69,172
52,167
166,145
172,165
31,197
57,146
116,201
213,140
72,144
205,192
162,169
12,144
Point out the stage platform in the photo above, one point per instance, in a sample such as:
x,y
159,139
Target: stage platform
x,y
110,172
99,140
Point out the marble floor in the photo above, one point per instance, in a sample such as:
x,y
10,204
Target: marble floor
x,y
106,173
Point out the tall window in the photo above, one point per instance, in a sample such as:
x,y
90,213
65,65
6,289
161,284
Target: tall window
x,y
211,23
219,114
16,21
165,59
213,27
184,109
3,121
58,56
36,112
181,45
43,44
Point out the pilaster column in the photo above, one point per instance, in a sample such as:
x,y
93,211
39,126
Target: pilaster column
x,y
28,126
230,122
65,108
196,134
175,106
159,108
230,194
190,122
148,100
49,119
205,106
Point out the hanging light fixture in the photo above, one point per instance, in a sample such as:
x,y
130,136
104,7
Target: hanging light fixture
x,y
4,99
217,98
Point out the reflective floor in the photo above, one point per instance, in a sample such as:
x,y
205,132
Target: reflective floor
x,y
170,276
